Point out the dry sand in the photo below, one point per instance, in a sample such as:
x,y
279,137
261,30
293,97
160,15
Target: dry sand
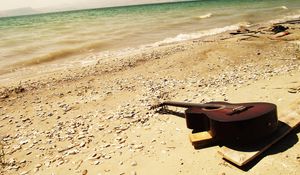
x,y
96,120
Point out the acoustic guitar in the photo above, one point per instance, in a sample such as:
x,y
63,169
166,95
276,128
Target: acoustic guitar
x,y
225,122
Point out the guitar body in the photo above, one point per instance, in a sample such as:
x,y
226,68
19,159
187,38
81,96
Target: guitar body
x,y
256,122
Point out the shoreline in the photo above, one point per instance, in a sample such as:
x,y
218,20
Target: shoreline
x,y
111,57
97,119
90,60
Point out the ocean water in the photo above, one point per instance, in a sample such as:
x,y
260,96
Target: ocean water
x,y
67,38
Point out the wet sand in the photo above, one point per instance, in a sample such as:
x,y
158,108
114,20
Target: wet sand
x,y
97,119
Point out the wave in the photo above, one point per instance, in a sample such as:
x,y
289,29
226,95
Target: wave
x,y
56,55
208,15
284,7
184,37
286,18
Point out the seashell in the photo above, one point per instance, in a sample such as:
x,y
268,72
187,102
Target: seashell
x,y
60,162
24,172
73,152
23,161
138,146
97,162
107,157
23,142
38,165
82,144
47,163
134,163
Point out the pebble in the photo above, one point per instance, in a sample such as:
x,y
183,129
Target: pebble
x,y
47,163
138,146
38,165
107,157
24,172
82,144
84,172
97,162
134,163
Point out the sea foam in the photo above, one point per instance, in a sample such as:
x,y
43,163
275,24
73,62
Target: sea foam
x,y
195,35
208,15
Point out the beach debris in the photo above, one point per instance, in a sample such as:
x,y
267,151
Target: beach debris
x,y
4,93
241,30
294,90
281,34
278,28
296,21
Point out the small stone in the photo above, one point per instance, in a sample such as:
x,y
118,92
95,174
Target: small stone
x,y
12,161
24,173
134,163
23,142
23,161
138,146
107,157
84,172
82,144
163,143
97,162
73,152
38,165
47,163
60,162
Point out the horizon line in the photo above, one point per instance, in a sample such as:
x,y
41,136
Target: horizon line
x,y
97,8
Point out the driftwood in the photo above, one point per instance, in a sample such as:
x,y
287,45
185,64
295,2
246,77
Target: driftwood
x,y
296,21
242,156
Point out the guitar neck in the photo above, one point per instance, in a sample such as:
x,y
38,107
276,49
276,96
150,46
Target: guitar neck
x,y
188,105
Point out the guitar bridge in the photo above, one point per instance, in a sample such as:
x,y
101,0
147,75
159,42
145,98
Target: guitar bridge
x,y
239,109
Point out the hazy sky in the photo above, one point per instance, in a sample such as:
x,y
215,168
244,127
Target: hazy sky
x,y
38,4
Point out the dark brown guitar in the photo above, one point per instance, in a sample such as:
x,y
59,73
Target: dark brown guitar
x,y
226,122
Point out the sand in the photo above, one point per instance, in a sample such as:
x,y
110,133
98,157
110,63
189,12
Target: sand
x,y
97,119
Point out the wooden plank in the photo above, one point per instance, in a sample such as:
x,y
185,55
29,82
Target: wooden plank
x,y
201,138
241,156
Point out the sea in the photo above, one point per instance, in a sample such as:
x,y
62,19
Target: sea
x,y
61,40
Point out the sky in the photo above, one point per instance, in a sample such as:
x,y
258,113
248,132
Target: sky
x,y
48,4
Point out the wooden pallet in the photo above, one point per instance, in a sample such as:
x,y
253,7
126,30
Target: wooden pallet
x,y
241,156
